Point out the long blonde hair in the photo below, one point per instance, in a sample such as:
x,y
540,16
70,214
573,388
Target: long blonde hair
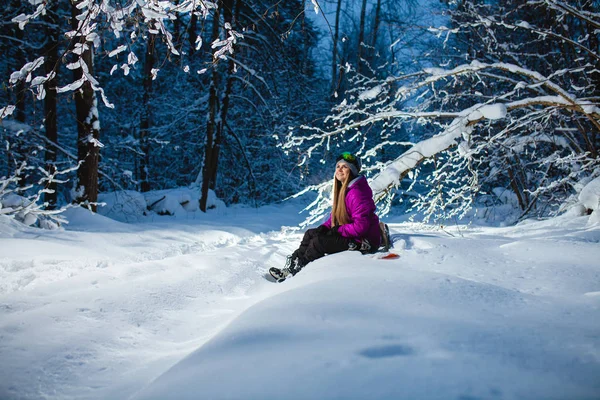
x,y
339,214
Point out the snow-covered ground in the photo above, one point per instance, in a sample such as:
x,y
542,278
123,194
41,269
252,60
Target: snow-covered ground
x,y
177,308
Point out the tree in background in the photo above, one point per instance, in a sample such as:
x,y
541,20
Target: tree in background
x,y
261,89
334,46
154,113
146,113
219,97
90,22
86,106
15,49
51,61
268,86
507,110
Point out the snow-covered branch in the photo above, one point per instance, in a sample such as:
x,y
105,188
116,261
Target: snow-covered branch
x,y
149,15
29,208
483,131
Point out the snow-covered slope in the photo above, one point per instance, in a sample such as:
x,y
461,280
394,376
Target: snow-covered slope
x,y
181,309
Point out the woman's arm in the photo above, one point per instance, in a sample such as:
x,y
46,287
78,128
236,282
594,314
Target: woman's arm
x,y
361,207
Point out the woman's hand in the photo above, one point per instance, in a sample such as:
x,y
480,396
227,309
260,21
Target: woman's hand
x,y
333,230
322,230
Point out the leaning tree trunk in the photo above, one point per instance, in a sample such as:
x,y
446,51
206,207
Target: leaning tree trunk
x,y
143,166
88,125
50,65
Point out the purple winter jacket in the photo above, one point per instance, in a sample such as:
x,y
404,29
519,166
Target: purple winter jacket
x,y
364,223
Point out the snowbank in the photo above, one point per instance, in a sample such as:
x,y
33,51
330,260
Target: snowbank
x,y
123,205
451,319
590,198
103,309
132,206
590,195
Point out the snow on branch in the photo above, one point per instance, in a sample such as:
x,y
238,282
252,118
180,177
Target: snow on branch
x,y
377,105
23,19
561,6
87,35
6,111
226,45
25,74
462,124
30,209
433,75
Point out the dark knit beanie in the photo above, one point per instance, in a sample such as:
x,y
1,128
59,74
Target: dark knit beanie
x,y
351,160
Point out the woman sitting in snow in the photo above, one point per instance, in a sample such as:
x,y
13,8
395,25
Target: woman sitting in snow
x,y
352,225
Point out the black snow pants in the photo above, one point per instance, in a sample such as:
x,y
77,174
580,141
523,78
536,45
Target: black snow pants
x,y
316,244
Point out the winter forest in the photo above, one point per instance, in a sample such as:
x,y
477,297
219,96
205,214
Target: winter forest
x,y
160,158
451,104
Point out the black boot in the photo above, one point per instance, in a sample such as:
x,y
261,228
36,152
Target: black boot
x,y
293,265
289,269
297,265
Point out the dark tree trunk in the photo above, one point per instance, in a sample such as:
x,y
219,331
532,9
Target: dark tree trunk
x,y
192,35
51,65
213,103
15,152
88,126
334,63
20,86
228,6
218,106
306,44
177,34
361,36
592,139
376,24
143,165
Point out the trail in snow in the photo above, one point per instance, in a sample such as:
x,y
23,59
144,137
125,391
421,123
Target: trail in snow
x,y
97,314
101,313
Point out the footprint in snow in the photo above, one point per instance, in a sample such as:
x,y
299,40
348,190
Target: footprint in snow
x,y
393,350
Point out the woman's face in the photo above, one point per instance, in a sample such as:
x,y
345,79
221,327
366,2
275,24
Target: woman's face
x,y
342,172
